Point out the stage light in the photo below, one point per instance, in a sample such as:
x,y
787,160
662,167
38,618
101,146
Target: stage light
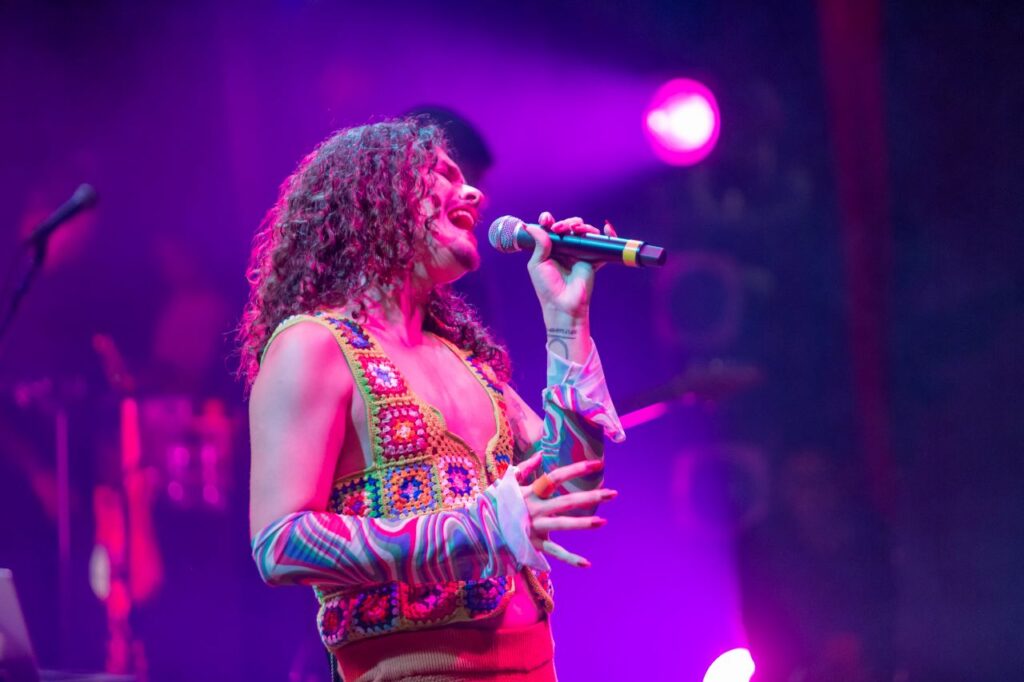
x,y
734,665
682,122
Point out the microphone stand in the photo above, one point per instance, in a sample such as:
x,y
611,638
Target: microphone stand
x,y
83,198
62,457
38,241
25,281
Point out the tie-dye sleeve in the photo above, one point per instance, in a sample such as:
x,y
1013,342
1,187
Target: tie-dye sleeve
x,y
485,539
578,416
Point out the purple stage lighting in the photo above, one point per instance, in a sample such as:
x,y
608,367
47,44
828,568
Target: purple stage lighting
x,y
734,665
682,122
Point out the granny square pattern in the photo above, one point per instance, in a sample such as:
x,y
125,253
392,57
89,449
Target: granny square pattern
x,y
382,376
429,603
356,497
375,610
460,480
334,620
408,489
417,468
403,431
484,596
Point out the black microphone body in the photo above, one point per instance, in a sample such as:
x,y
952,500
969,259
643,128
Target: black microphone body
x,y
508,234
84,197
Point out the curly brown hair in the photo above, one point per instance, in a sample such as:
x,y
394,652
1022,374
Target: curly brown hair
x,y
348,220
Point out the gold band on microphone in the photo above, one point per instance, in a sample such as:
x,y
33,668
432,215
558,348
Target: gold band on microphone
x,y
630,252
543,487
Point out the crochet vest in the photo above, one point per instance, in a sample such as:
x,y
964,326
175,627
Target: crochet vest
x,y
418,467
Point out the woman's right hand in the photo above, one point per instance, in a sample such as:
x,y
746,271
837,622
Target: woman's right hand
x,y
547,513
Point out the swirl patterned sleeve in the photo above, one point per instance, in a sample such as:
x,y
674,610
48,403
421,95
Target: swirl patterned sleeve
x,y
487,538
578,416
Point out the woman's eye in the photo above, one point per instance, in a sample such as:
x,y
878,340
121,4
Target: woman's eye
x,y
448,172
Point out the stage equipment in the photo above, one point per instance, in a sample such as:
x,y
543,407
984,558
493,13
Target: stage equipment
x,y
710,382
84,197
17,660
682,122
508,234
699,301
721,489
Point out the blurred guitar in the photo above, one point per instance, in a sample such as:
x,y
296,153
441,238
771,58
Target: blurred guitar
x,y
126,567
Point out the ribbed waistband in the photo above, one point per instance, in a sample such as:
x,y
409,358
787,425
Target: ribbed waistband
x,y
460,653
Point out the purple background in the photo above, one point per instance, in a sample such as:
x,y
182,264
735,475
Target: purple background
x,y
187,118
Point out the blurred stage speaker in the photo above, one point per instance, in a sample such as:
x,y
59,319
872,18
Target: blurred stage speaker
x,y
720,488
699,301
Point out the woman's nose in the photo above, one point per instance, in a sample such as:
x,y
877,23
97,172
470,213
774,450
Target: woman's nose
x,y
472,195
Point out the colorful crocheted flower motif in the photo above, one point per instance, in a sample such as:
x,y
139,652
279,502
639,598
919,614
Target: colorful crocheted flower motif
x,y
382,376
459,480
429,603
376,610
351,332
409,489
484,596
485,372
402,430
333,621
357,497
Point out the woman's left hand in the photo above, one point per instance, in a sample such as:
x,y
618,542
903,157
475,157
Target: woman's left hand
x,y
563,286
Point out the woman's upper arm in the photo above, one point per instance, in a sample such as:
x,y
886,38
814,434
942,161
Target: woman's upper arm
x,y
527,426
297,414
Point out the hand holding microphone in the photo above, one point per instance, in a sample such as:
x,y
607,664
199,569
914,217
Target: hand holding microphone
x,y
566,253
573,239
563,286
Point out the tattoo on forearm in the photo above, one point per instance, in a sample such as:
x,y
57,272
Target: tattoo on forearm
x,y
558,340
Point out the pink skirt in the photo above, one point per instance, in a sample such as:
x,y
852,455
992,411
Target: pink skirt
x,y
452,654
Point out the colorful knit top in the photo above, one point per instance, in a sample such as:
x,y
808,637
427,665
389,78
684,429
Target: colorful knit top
x,y
428,533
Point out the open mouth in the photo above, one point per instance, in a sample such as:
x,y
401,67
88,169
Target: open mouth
x,y
462,218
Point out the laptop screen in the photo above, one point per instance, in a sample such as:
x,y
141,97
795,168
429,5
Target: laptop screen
x,y
17,662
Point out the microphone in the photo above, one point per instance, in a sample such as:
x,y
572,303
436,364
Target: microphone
x,y
83,198
508,234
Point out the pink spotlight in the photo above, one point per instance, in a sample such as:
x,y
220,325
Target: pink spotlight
x,y
735,665
682,122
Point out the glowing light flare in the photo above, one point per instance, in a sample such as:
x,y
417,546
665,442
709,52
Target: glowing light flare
x,y
682,122
735,665
644,415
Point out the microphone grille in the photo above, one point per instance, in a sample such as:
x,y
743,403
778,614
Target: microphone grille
x,y
502,234
85,196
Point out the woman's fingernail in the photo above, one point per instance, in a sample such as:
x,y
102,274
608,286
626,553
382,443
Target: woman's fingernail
x,y
597,523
